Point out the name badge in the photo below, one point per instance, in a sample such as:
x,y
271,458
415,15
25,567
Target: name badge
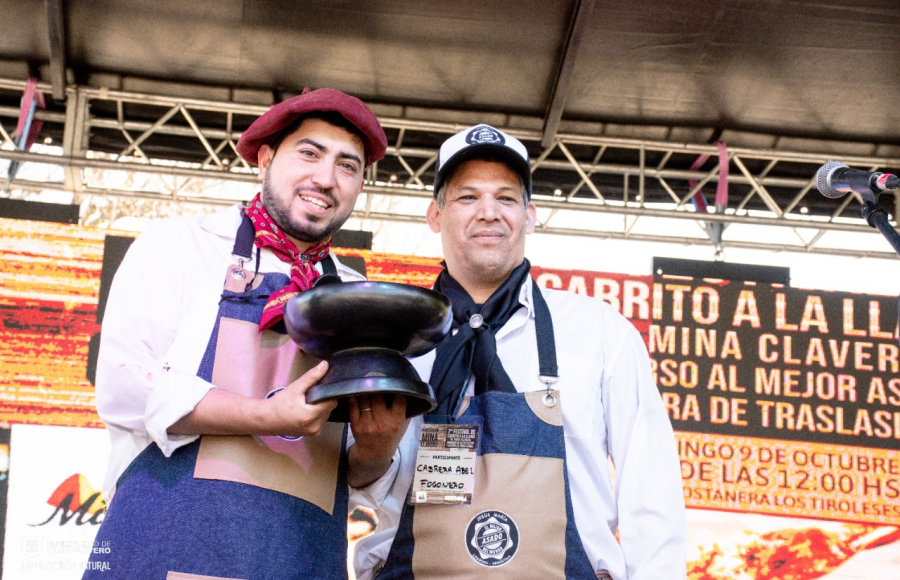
x,y
445,465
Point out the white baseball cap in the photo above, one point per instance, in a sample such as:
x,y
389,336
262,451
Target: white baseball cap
x,y
478,141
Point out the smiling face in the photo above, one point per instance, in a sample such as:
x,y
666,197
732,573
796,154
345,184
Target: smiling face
x,y
310,184
483,223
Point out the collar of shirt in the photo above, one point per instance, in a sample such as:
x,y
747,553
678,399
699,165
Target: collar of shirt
x,y
225,224
519,319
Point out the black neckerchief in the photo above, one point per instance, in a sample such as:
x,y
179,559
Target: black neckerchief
x,y
474,347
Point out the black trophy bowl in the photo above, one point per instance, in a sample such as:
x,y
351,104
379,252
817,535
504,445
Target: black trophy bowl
x,y
365,330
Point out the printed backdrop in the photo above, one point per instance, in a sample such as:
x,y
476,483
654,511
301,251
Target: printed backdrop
x,y
785,402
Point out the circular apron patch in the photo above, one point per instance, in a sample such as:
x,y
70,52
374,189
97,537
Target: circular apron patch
x,y
492,538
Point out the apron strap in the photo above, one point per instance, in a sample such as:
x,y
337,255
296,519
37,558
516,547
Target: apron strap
x,y
546,341
243,241
328,266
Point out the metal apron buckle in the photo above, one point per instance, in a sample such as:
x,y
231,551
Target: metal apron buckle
x,y
239,273
549,396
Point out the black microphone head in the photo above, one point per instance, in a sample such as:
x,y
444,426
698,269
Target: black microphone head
x,y
823,179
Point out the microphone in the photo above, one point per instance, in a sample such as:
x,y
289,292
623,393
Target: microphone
x,y
834,179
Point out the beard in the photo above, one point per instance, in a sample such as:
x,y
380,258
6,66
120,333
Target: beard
x,y
312,229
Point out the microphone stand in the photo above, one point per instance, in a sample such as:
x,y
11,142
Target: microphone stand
x,y
877,217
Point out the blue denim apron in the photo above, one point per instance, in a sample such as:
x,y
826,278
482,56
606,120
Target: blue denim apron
x,y
169,521
520,523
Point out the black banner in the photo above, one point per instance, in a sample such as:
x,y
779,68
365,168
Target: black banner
x,y
760,360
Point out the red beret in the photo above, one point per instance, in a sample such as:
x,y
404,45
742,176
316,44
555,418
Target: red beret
x,y
283,114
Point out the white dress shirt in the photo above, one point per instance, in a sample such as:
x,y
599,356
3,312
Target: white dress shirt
x,y
612,416
162,308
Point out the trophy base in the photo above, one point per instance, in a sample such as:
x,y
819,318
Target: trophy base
x,y
371,371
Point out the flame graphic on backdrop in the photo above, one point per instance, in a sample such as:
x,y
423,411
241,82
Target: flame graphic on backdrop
x,y
360,523
81,491
802,554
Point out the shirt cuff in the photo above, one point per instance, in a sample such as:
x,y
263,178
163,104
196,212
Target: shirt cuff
x,y
174,395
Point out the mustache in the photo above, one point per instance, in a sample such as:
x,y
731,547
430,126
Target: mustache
x,y
326,193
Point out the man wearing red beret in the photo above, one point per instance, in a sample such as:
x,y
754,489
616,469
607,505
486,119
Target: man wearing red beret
x,y
219,466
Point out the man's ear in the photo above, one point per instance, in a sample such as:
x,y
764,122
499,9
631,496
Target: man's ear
x,y
263,159
432,216
530,218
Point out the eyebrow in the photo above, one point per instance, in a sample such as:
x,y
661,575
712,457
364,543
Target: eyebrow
x,y
324,149
476,187
502,189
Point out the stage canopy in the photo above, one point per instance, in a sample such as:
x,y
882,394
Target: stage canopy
x,y
614,100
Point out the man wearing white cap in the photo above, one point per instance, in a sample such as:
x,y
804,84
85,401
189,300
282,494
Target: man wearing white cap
x,y
220,468
567,466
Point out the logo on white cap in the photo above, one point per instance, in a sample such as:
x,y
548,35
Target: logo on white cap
x,y
484,135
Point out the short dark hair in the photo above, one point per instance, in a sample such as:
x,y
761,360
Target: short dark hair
x,y
439,196
330,117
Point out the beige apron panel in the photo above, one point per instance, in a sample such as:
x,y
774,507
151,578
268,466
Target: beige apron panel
x,y
530,490
251,364
183,576
305,468
550,415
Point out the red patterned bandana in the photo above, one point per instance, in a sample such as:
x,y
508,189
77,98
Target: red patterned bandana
x,y
303,271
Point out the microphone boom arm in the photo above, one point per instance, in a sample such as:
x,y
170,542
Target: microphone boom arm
x,y
877,217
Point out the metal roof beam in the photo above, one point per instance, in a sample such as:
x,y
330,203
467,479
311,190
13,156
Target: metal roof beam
x,y
577,26
809,247
175,161
56,34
